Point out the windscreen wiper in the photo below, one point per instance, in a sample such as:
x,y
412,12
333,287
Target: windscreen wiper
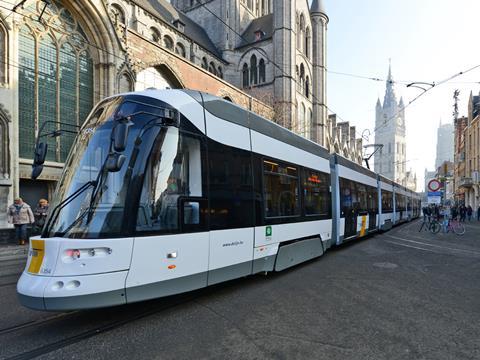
x,y
65,202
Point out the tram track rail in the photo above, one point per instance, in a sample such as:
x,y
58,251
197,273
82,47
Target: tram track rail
x,y
33,323
8,284
95,331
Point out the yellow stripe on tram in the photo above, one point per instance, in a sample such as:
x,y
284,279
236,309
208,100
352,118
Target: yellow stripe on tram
x,y
364,226
37,254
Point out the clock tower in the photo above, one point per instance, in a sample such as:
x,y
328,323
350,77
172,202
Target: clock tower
x,y
390,161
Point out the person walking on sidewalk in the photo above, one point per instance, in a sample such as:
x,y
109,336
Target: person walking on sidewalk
x,y
20,215
40,214
469,213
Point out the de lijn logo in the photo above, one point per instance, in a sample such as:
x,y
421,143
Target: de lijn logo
x,y
268,232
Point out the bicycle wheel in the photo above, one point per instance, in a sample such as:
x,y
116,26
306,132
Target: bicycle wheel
x,y
459,229
435,227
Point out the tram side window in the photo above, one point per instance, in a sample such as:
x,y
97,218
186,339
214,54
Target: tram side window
x,y
399,202
372,199
362,196
280,189
231,187
316,190
348,196
387,201
174,170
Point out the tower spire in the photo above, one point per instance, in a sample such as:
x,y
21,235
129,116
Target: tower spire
x,y
390,100
390,70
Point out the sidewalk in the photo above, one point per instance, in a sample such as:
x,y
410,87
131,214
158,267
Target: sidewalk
x,y
13,252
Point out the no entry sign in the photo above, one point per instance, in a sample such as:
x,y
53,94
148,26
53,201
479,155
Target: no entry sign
x,y
434,185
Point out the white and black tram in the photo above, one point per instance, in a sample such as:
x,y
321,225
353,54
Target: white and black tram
x,y
169,191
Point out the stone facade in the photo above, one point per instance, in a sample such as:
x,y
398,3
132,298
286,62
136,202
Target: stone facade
x,y
459,173
59,58
469,183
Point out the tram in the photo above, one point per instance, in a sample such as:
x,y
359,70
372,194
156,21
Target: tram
x,y
167,191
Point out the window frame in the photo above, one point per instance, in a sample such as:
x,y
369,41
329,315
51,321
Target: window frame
x,y
295,217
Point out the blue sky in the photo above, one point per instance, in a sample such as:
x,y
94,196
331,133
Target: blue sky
x,y
427,40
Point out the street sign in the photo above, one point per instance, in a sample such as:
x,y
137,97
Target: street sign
x,y
434,185
434,200
434,193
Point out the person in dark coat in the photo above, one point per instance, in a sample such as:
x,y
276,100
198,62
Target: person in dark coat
x,y
40,214
469,213
463,213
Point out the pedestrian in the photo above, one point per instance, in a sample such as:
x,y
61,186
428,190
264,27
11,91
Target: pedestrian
x,y
424,211
463,213
469,213
40,214
453,211
20,215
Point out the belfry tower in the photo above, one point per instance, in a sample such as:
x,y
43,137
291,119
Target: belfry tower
x,y
390,161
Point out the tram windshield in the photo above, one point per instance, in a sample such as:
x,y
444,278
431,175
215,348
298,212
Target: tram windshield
x,y
92,199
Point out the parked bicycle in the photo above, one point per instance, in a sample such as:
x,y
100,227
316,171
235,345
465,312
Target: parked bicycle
x,y
431,225
456,226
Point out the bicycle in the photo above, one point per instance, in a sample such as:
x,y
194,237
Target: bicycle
x,y
456,227
431,225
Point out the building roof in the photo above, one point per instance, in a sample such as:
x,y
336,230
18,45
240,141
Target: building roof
x,y
263,24
163,10
317,7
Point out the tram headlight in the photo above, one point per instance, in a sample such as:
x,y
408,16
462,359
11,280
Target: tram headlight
x,y
73,253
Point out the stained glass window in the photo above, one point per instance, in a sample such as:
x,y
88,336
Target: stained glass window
x,y
3,57
63,88
68,91
26,92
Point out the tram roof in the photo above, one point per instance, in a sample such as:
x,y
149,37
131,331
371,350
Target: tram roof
x,y
233,113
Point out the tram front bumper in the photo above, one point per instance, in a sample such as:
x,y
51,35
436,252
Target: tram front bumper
x,y
73,292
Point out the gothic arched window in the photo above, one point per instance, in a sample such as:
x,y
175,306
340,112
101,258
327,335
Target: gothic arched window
x,y
302,32
307,42
204,63
302,78
155,35
253,70
152,78
309,125
261,71
125,83
118,14
4,146
180,50
245,81
168,42
3,54
220,72
211,68
307,87
301,121
55,79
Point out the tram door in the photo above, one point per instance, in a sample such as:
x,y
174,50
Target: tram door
x,y
372,208
171,249
348,211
